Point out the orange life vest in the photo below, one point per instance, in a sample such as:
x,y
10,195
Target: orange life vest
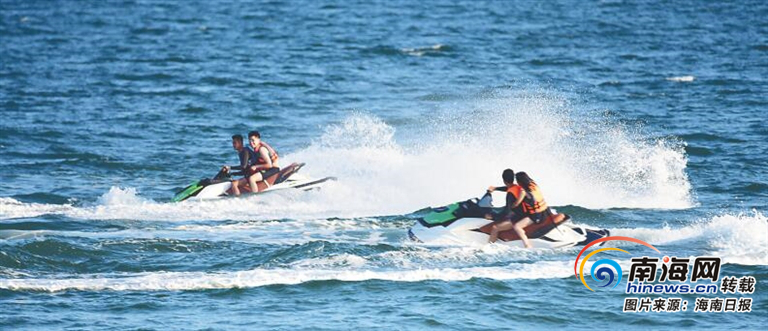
x,y
272,154
515,190
534,202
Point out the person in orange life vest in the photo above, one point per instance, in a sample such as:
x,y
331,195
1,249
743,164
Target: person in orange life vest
x,y
266,161
512,211
272,153
535,209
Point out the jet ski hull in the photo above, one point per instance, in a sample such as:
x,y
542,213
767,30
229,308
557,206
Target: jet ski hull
x,y
464,224
285,179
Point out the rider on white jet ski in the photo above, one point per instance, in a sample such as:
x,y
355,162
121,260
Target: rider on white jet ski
x,y
512,211
255,165
265,164
247,157
525,206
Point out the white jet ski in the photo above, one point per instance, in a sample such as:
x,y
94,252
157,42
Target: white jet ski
x,y
220,186
464,223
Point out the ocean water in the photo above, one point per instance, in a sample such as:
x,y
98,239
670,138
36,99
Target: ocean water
x,y
644,118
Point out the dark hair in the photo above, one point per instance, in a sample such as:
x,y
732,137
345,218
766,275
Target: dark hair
x,y
238,138
508,175
254,133
523,179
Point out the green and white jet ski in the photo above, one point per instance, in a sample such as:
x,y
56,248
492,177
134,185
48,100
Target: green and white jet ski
x,y
220,185
464,223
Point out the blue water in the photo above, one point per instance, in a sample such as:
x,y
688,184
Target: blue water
x,y
647,119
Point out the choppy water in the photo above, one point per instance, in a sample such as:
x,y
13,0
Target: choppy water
x,y
643,118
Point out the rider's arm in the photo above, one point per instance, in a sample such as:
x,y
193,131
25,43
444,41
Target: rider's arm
x,y
264,156
244,158
512,203
496,189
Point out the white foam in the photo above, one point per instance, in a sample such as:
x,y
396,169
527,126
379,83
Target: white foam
x,y
421,51
181,281
738,239
577,157
11,208
417,256
119,196
335,261
125,203
285,232
685,79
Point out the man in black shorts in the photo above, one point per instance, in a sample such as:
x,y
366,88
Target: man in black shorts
x,y
246,157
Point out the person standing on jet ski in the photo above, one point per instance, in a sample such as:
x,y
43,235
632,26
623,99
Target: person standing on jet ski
x,y
247,159
512,211
265,162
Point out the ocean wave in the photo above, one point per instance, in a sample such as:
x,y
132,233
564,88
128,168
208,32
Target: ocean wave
x,y
430,50
433,50
186,281
11,208
682,79
125,203
738,239
578,158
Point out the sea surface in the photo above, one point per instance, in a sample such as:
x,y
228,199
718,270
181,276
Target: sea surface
x,y
647,118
